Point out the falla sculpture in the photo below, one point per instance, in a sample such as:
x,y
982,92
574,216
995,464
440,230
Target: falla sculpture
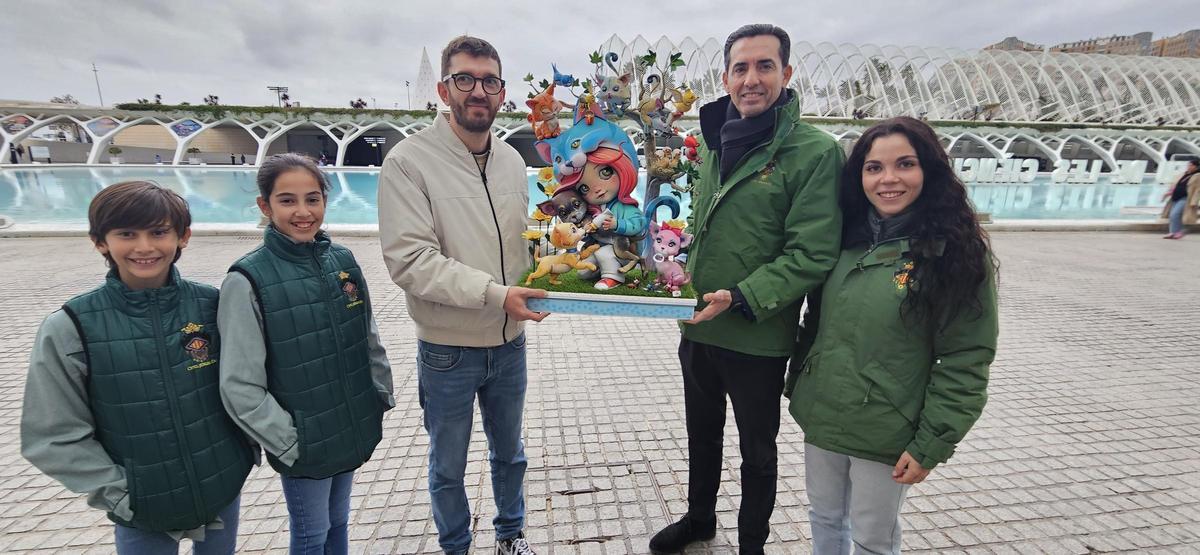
x,y
594,234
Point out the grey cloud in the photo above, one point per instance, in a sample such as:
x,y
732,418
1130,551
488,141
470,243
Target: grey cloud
x,y
331,52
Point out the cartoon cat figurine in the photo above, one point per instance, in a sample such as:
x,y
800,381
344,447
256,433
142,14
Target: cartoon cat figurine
x,y
613,91
567,152
543,113
668,240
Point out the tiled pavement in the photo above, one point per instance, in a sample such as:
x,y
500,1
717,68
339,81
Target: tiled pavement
x,y
1090,443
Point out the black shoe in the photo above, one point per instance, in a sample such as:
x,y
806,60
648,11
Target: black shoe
x,y
675,537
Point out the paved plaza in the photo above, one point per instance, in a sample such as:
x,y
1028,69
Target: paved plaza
x,y
1090,442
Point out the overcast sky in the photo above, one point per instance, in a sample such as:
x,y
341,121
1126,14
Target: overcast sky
x,y
330,52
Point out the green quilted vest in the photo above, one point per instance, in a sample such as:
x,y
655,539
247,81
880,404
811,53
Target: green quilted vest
x,y
315,316
152,384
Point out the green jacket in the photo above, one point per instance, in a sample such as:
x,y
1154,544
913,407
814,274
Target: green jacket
x,y
316,311
152,360
873,385
773,230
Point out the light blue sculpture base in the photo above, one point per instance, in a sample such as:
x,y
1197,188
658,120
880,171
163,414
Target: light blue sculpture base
x,y
614,305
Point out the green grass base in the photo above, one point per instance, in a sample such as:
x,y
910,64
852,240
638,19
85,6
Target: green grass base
x,y
571,283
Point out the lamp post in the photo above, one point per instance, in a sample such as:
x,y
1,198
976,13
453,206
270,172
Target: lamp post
x,y
377,144
408,94
96,74
280,91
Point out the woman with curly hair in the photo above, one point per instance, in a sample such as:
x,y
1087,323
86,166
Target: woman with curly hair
x,y
891,366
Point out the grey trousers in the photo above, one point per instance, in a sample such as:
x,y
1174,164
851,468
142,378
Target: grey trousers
x,y
853,502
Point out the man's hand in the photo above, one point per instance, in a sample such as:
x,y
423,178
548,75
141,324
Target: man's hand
x,y
718,302
908,470
514,303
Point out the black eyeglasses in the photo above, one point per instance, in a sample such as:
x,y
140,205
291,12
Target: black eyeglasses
x,y
465,82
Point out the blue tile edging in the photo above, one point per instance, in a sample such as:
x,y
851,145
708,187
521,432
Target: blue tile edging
x,y
614,305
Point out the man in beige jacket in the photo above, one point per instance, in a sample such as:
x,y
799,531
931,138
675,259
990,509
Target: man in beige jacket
x,y
452,207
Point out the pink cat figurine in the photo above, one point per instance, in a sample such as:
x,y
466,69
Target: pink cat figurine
x,y
667,241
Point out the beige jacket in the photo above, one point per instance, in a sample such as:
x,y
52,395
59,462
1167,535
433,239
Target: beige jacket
x,y
451,235
1191,214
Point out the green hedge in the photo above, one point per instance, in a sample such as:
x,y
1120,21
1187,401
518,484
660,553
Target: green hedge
x,y
222,111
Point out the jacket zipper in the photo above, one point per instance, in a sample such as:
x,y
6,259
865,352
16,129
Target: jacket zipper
x,y
720,195
173,403
331,304
748,153
499,241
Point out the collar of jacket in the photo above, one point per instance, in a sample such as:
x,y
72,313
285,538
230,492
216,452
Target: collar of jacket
x,y
138,301
284,247
445,135
713,116
887,252
882,229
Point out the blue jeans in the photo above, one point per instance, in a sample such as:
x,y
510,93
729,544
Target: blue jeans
x,y
449,380
132,541
1175,217
319,511
853,503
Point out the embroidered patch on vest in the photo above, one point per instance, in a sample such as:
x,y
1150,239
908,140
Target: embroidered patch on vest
x,y
196,342
900,278
350,288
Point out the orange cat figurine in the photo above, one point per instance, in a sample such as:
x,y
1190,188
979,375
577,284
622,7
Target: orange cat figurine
x,y
543,114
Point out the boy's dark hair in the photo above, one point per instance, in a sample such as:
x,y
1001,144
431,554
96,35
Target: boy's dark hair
x,y
757,29
473,46
276,165
136,205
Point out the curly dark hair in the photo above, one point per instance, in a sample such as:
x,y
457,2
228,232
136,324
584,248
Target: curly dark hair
x,y
947,281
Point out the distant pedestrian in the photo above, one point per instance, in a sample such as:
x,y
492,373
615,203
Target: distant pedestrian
x,y
12,154
1183,201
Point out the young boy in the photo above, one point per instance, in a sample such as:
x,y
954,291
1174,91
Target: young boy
x,y
122,401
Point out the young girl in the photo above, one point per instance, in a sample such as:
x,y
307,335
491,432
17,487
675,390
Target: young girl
x,y
304,375
891,369
607,182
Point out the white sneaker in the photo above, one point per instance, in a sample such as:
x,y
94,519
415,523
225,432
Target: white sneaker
x,y
514,546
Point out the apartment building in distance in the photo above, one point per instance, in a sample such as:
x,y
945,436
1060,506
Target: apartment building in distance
x,y
1183,45
1128,45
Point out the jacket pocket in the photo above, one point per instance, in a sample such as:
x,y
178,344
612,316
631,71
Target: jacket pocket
x,y
439,358
802,393
904,398
131,489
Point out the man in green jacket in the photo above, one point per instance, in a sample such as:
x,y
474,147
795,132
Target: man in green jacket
x,y
767,231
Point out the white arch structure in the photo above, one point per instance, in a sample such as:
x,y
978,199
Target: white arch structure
x,y
102,125
835,80
1149,142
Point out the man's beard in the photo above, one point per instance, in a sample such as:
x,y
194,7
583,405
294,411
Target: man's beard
x,y
473,125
